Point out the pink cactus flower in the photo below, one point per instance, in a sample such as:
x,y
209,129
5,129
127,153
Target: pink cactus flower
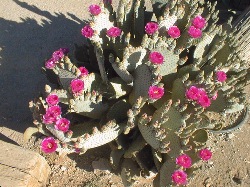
x,y
95,9
58,55
192,93
155,92
87,31
52,99
184,161
151,28
62,124
48,145
77,86
156,58
114,32
50,64
52,114
205,154
84,71
179,177
215,96
199,22
174,32
221,76
194,32
204,101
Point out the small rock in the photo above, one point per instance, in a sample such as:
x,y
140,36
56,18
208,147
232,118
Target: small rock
x,y
63,168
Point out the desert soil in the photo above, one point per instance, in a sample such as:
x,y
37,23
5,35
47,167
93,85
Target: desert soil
x,y
30,30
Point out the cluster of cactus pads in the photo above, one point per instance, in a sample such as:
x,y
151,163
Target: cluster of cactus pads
x,y
161,75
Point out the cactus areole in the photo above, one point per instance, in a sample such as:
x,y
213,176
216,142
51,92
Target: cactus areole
x,y
146,85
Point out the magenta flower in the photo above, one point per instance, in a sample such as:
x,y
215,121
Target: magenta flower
x,y
179,177
95,9
199,22
221,76
205,154
204,101
174,32
87,31
151,28
48,145
62,124
155,92
50,64
114,32
58,55
52,114
84,71
194,32
77,86
184,161
52,99
192,93
156,58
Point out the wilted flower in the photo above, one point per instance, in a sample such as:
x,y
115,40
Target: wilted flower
x,y
58,55
156,58
151,28
48,145
50,64
155,92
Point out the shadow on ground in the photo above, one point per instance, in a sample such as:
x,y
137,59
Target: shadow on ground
x,y
24,47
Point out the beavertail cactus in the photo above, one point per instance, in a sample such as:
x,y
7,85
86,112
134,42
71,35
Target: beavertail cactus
x,y
160,80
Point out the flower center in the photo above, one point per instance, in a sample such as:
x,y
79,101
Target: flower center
x,y
49,145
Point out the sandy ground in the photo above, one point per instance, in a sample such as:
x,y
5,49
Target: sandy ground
x,y
30,31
